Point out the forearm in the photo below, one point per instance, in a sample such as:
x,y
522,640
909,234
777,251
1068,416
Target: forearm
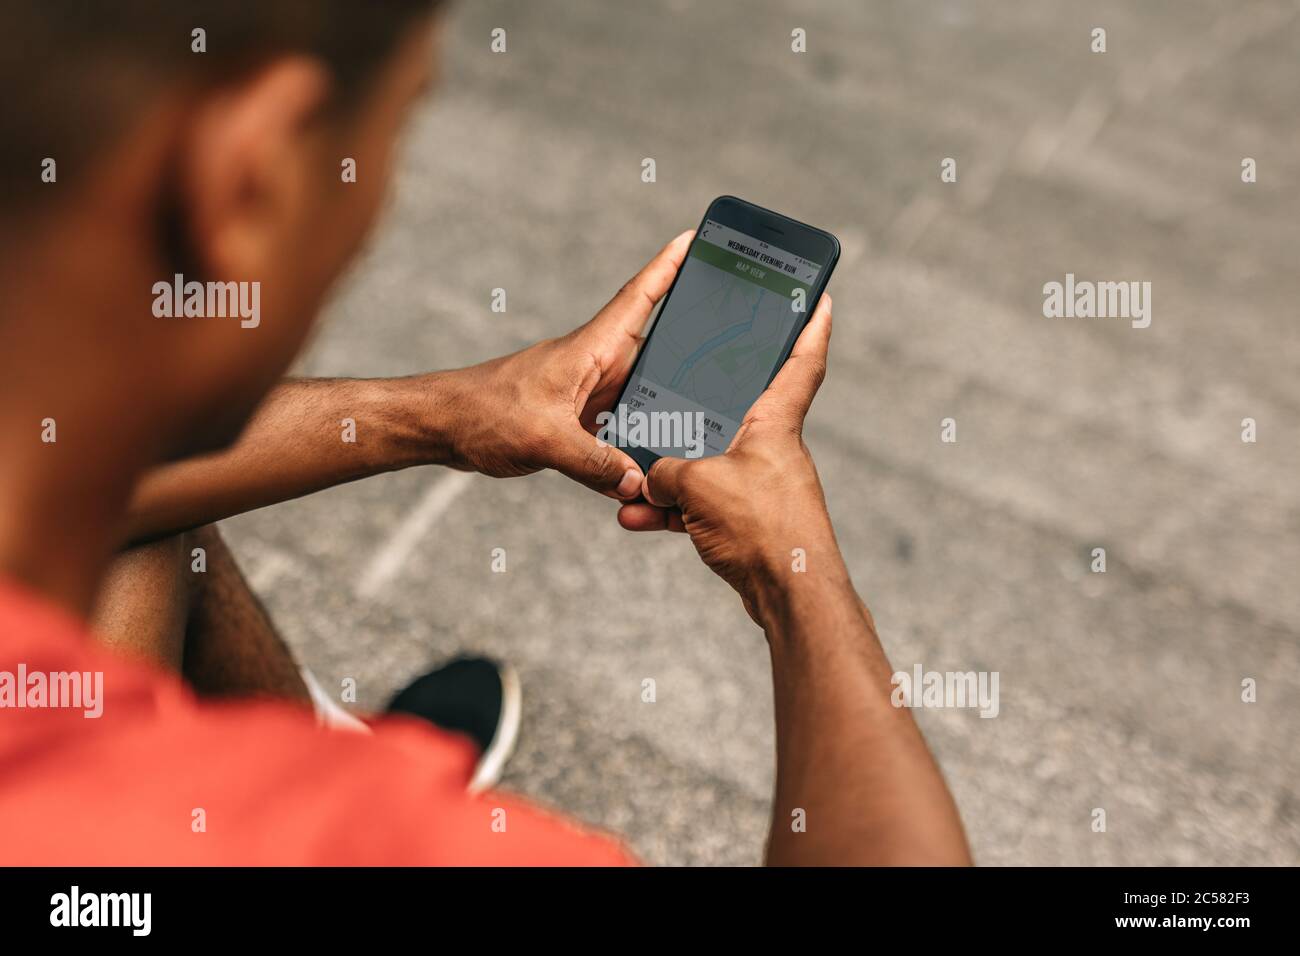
x,y
295,445
855,764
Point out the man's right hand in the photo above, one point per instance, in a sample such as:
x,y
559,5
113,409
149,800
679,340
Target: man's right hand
x,y
849,763
747,511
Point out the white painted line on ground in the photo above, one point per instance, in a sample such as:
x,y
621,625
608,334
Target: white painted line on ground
x,y
390,557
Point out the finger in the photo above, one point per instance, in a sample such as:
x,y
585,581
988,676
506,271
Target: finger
x,y
815,339
792,391
639,516
599,466
629,310
663,482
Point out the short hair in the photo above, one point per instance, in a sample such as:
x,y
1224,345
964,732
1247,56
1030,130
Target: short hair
x,y
74,72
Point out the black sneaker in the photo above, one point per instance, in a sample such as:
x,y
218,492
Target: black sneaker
x,y
474,696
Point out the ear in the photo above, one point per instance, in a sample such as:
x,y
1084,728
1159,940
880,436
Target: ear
x,y
244,165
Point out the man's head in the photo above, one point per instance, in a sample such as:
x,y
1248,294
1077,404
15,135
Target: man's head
x,y
213,139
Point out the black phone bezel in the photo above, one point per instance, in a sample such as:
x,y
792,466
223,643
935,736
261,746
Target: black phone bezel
x,y
816,245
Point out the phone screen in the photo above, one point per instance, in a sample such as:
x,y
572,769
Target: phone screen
x,y
715,345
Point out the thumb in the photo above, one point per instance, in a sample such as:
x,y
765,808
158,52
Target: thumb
x,y
663,482
792,391
629,311
581,456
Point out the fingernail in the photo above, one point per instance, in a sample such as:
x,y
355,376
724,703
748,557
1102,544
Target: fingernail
x,y
630,484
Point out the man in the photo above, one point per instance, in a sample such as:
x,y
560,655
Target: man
x,y
222,166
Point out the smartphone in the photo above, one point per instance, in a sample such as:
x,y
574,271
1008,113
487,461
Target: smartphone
x,y
748,287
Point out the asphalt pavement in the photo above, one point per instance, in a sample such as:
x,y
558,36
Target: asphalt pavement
x,y
1120,691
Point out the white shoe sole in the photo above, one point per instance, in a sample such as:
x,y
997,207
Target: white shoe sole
x,y
493,762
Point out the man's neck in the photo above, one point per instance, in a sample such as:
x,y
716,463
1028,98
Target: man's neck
x,y
60,512
72,436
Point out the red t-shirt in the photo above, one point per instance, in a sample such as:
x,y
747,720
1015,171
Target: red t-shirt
x,y
125,788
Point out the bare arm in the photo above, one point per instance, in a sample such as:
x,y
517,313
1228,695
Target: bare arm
x,y
294,446
855,765
511,416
